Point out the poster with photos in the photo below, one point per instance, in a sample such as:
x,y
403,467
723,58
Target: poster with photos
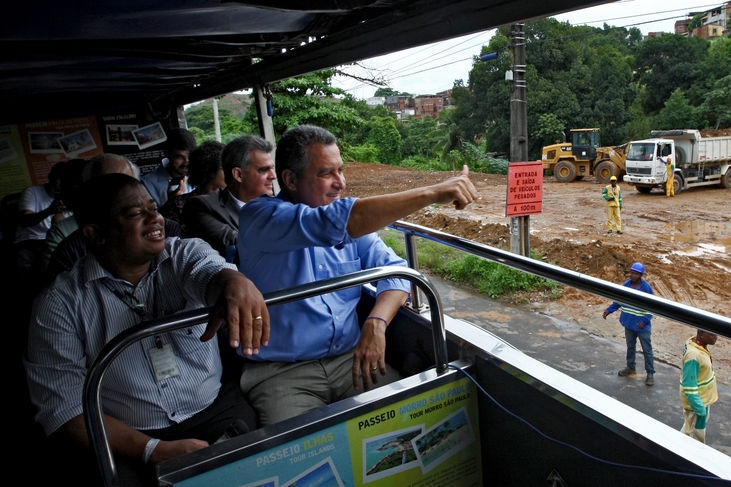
x,y
121,134
44,142
77,143
7,151
149,135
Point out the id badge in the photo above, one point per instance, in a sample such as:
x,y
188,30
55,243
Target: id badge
x,y
163,362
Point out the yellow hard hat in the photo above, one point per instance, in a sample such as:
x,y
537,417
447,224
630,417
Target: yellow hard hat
x,y
613,178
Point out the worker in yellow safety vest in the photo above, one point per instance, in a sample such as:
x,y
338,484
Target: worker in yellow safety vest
x,y
670,182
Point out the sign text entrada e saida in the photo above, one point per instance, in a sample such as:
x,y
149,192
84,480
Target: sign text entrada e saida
x,y
525,188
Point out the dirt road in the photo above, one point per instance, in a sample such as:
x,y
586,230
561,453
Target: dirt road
x,y
684,242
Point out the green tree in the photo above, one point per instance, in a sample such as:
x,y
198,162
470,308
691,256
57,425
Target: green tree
x,y
232,128
695,23
668,62
310,99
359,135
386,138
716,107
449,134
717,65
200,121
550,129
580,75
422,137
483,109
639,125
614,92
390,92
200,116
677,113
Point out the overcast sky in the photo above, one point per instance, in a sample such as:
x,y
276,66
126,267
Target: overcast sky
x,y
434,67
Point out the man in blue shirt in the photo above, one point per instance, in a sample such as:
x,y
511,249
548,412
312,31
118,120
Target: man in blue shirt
x,y
317,352
637,325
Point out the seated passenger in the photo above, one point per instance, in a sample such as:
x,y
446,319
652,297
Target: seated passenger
x,y
164,397
75,246
318,353
104,163
38,207
249,171
205,174
170,177
64,252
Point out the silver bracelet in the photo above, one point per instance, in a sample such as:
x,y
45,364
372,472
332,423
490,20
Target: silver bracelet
x,y
149,448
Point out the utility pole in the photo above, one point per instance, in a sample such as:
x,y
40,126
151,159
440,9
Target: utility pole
x,y
216,120
519,225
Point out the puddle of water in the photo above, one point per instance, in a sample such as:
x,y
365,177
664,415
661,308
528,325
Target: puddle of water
x,y
703,249
696,231
705,238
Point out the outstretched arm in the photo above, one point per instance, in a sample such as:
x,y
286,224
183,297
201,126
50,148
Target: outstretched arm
x,y
375,212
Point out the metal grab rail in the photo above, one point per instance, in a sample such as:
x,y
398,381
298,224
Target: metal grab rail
x,y
689,315
94,416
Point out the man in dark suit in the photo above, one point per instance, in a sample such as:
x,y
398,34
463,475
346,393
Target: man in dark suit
x,y
249,172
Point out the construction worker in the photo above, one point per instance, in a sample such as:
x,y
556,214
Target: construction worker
x,y
670,183
613,195
637,325
698,388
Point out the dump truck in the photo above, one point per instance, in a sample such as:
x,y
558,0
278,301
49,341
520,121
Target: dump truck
x,y
699,161
583,156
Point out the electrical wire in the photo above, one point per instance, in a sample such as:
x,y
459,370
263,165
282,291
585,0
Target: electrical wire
x,y
426,57
575,448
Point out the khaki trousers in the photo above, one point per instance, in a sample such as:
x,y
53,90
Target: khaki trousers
x,y
281,390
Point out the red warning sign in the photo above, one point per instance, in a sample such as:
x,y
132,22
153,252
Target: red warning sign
x,y
525,188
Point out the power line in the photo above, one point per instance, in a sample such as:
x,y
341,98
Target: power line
x,y
427,57
702,8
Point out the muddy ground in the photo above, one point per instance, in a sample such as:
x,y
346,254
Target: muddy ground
x,y
684,242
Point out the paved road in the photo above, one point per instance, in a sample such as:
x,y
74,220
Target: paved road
x,y
587,358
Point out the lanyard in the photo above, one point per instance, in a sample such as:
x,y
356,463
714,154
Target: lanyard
x,y
135,305
131,301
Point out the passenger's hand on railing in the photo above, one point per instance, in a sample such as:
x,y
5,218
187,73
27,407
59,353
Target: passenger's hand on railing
x,y
240,304
166,450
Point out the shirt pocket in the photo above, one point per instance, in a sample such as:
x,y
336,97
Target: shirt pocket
x,y
348,267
